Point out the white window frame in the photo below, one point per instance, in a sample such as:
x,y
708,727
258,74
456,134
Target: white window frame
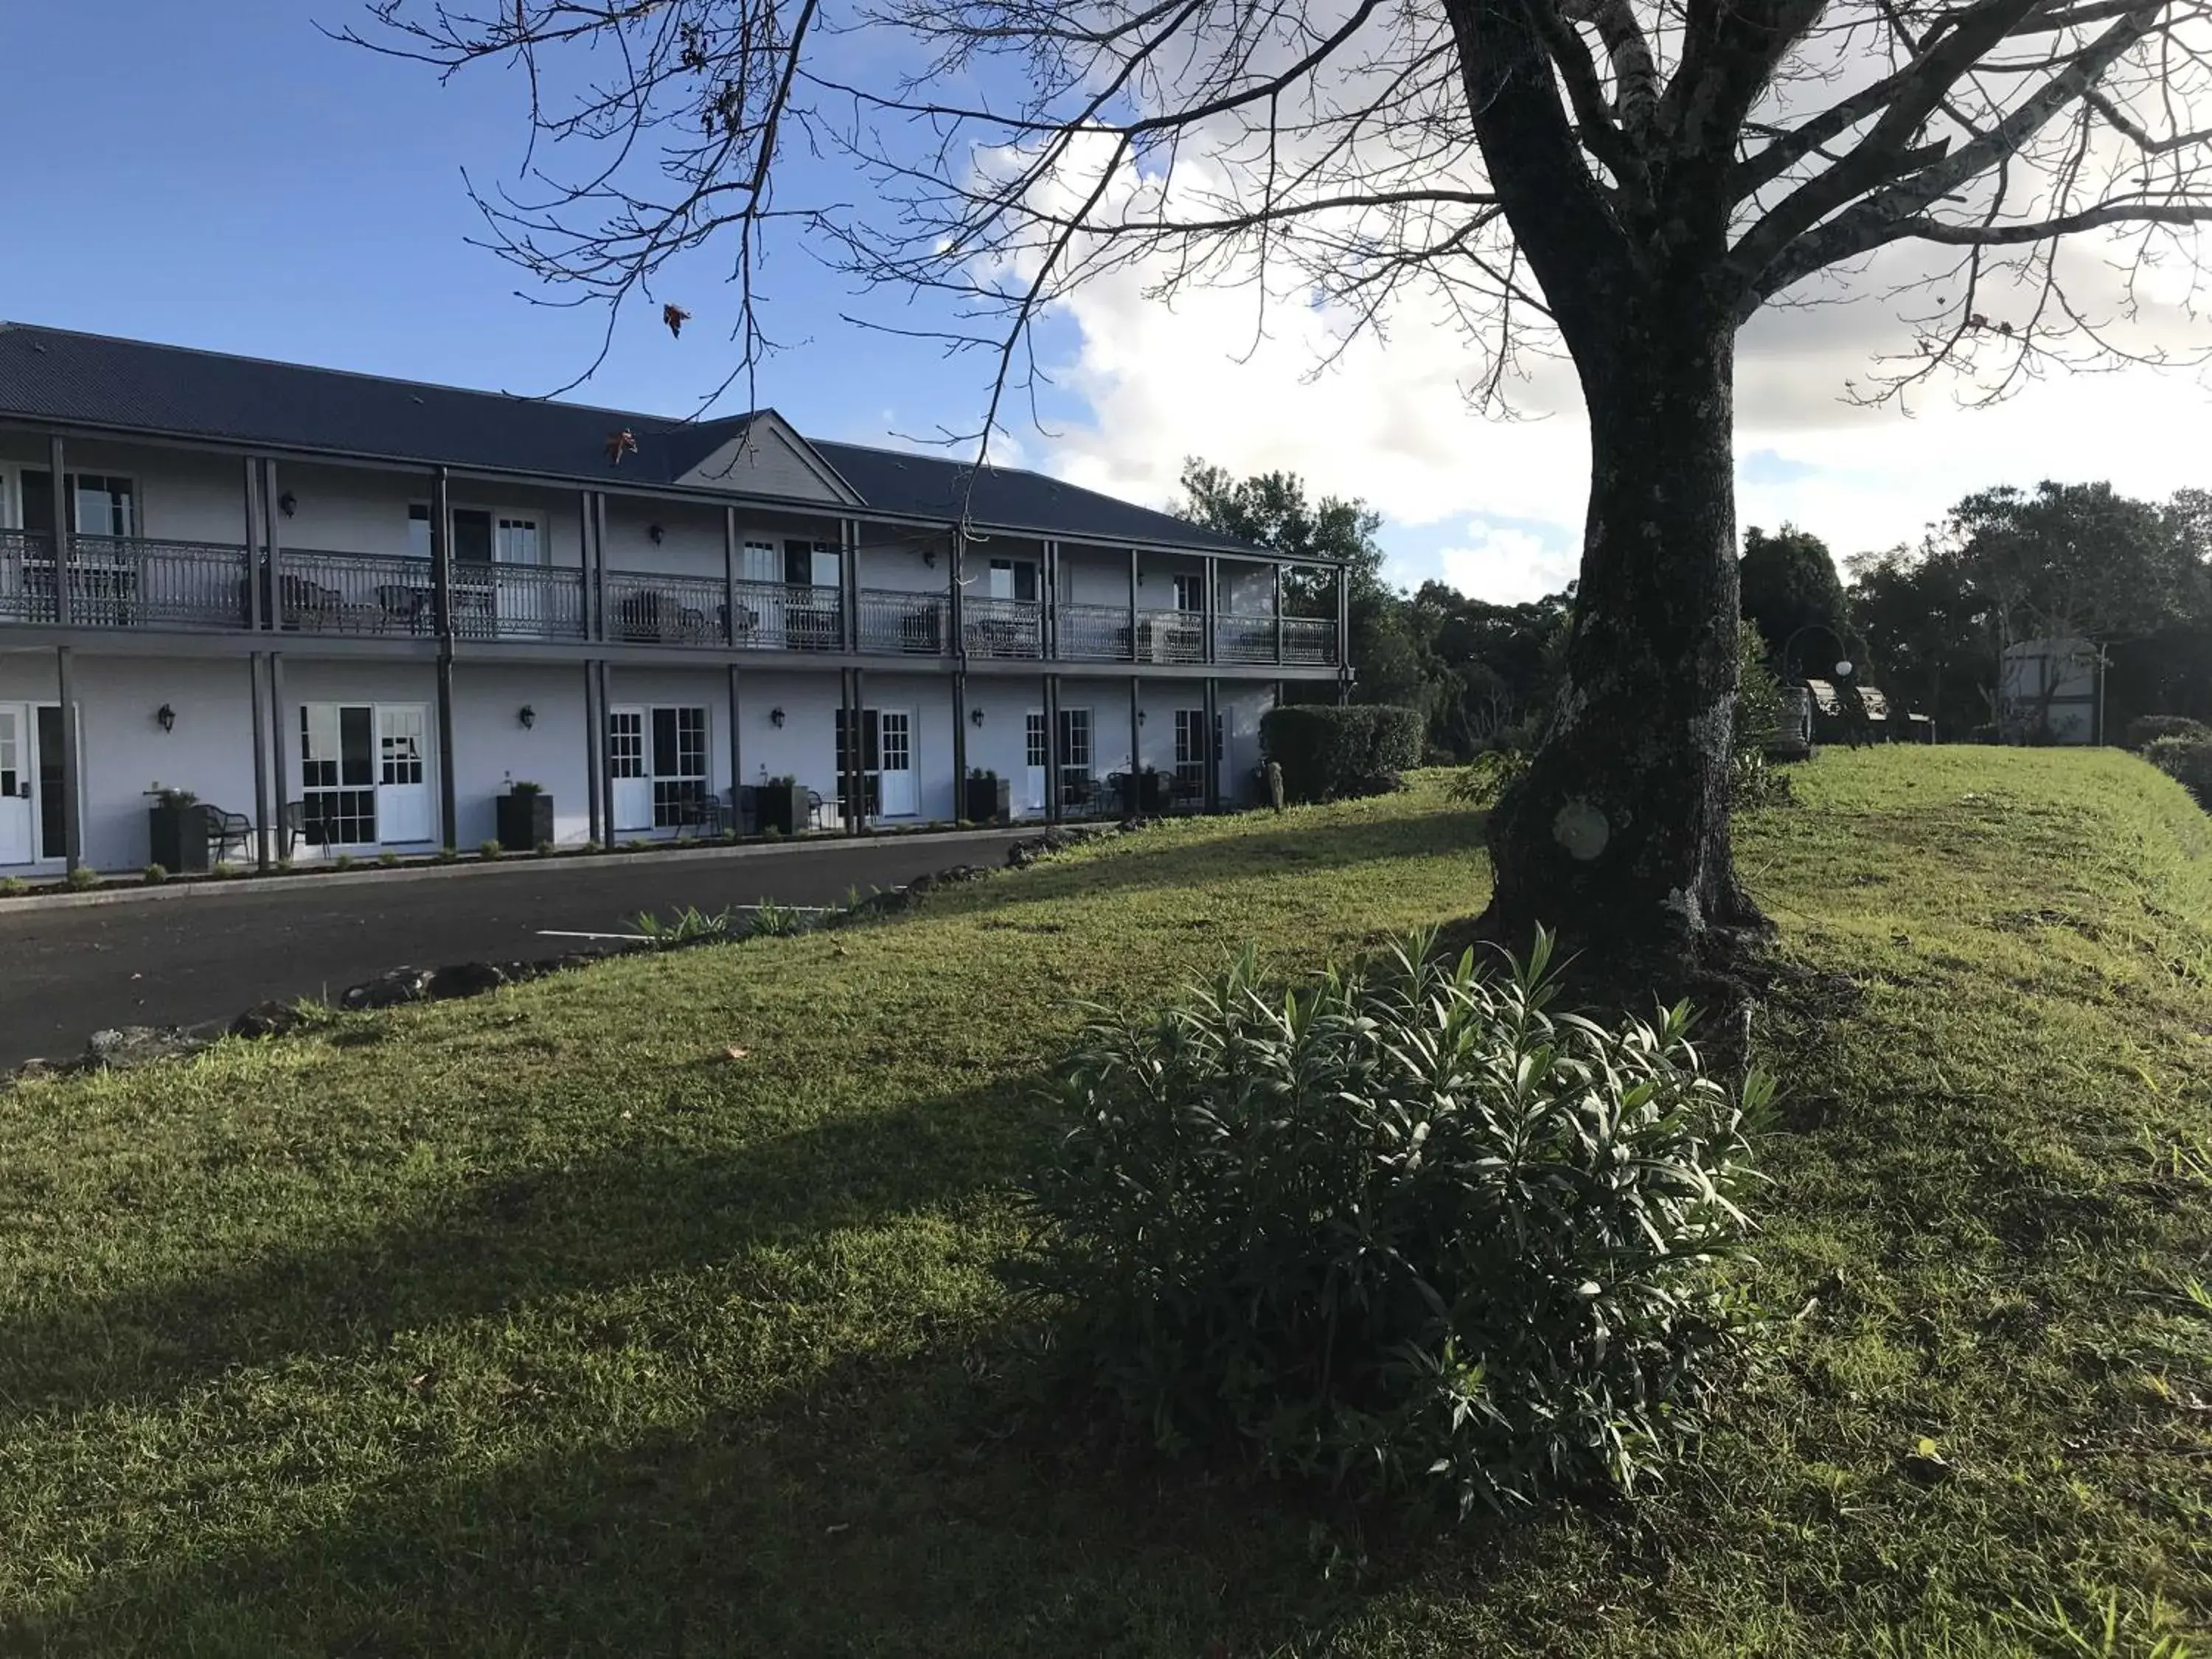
x,y
11,498
498,517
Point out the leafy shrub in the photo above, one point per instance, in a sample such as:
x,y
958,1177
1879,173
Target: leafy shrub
x,y
1327,752
2147,729
686,925
83,877
155,874
490,850
773,920
13,886
1405,1228
2186,760
387,860
1484,779
1758,695
449,855
343,861
544,849
1755,782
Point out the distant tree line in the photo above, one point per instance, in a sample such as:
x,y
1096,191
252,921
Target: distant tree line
x,y
1927,623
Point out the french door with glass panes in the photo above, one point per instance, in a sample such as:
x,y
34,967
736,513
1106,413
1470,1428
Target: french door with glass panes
x,y
19,791
656,760
888,788
1033,749
364,775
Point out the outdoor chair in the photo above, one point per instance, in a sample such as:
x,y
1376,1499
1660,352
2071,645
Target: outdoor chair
x,y
225,831
297,826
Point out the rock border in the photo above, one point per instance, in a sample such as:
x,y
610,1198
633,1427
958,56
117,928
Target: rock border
x,y
128,1047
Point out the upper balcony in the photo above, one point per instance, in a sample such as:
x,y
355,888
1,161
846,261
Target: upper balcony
x,y
138,582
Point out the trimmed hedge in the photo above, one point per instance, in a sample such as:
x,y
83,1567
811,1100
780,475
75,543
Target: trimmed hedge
x,y
1328,751
2145,729
2187,761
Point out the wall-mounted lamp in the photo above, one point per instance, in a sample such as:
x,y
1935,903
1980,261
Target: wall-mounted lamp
x,y
655,534
775,717
1140,717
527,715
167,716
975,717
288,503
929,557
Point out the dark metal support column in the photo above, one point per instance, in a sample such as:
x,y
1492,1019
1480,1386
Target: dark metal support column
x,y
606,766
856,756
1211,745
730,611
737,750
1135,653
72,787
447,798
254,579
595,724
279,773
59,530
584,568
272,544
956,582
1278,612
848,582
598,586
959,744
1210,603
1052,757
1343,635
1136,746
1050,617
267,823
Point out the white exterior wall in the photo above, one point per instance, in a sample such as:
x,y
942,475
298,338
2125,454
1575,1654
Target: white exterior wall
x,y
492,749
804,746
126,753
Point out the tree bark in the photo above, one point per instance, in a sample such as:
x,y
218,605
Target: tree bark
x,y
1619,832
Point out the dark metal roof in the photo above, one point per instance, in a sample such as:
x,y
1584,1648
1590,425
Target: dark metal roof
x,y
131,386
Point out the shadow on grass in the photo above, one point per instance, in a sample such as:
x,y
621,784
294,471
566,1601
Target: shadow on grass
x,y
507,1237
897,1507
1293,846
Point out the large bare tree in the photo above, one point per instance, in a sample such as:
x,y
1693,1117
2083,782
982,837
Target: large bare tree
x,y
1629,181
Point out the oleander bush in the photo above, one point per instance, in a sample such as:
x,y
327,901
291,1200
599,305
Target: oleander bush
x,y
1407,1228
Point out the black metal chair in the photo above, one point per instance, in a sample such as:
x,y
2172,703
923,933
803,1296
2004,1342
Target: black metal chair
x,y
225,831
297,826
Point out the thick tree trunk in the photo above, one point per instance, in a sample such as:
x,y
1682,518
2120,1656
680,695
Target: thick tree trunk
x,y
1619,835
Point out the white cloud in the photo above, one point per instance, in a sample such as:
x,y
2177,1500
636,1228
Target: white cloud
x,y
1390,423
1505,565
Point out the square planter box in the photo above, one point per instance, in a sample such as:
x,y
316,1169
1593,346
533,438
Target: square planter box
x,y
177,837
987,800
782,808
525,822
1146,794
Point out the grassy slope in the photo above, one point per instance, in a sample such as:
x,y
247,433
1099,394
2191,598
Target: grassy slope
x,y
540,1325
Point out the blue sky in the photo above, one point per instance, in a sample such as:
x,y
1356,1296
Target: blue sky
x,y
219,174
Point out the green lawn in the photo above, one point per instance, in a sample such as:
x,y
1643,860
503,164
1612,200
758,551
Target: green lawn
x,y
542,1324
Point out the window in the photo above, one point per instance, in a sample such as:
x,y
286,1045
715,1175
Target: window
x,y
761,562
479,536
400,740
1035,742
680,764
1190,593
516,541
1013,579
626,743
812,564
1190,749
337,774
871,760
99,505
1074,755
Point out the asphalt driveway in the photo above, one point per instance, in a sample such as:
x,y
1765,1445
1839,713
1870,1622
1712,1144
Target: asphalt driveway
x,y
67,973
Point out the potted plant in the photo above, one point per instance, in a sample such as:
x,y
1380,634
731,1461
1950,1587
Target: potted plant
x,y
525,816
989,798
1146,793
782,806
177,832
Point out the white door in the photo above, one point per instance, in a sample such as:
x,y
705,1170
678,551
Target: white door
x,y
626,767
1033,778
897,790
402,789
19,775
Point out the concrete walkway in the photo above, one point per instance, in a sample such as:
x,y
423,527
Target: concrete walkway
x,y
66,973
